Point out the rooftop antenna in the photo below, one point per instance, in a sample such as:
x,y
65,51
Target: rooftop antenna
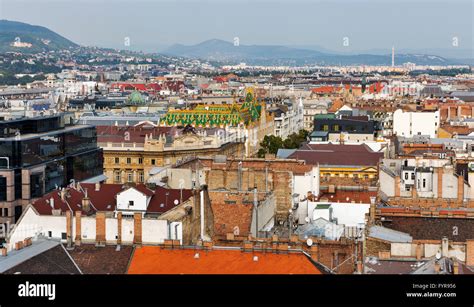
x,y
393,56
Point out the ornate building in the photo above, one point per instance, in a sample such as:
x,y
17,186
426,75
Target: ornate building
x,y
247,120
132,154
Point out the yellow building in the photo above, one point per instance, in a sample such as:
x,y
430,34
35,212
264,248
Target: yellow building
x,y
132,161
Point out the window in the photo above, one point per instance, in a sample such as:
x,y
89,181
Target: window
x,y
424,183
3,188
336,127
406,176
325,127
63,236
117,176
5,211
366,176
153,162
407,188
412,176
141,177
140,160
117,160
129,160
50,234
129,177
130,203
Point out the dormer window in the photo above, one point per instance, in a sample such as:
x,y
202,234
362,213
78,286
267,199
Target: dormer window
x,y
130,203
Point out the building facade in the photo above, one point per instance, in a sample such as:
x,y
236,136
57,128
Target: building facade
x,y
40,154
129,161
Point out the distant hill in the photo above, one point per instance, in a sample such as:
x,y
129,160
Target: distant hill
x,y
26,38
222,51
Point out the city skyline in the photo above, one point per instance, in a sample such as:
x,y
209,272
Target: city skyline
x,y
154,26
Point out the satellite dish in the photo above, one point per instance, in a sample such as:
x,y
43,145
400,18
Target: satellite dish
x,y
309,242
176,202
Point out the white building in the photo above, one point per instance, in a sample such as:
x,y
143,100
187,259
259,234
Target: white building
x,y
105,214
312,107
290,122
408,124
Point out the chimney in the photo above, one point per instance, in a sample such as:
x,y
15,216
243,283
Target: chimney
x,y
419,251
444,247
51,202
437,267
97,186
86,203
63,194
455,267
470,252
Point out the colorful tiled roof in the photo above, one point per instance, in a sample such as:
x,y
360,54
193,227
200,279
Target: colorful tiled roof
x,y
216,115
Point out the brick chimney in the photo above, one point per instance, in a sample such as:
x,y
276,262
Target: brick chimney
x,y
419,251
77,240
470,252
137,228
63,194
100,229
119,228
460,188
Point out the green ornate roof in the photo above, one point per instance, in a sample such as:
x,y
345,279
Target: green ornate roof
x,y
216,115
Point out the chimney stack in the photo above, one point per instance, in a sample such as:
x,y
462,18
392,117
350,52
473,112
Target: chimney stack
x,y
444,247
455,267
63,194
97,186
437,267
51,202
86,203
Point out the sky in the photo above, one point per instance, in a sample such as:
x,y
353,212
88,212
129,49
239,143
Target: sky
x,y
364,25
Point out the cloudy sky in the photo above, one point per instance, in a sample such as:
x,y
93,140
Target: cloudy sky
x,y
369,25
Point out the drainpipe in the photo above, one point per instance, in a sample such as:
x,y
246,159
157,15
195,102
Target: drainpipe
x,y
201,207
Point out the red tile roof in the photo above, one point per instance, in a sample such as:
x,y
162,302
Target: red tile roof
x,y
105,198
157,260
337,154
161,203
136,86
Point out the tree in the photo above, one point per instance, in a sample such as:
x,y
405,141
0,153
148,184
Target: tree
x,y
272,143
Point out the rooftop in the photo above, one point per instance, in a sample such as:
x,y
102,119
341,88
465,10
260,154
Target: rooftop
x,y
337,154
102,260
157,260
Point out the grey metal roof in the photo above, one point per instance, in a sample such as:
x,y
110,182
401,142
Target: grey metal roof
x,y
390,235
319,133
284,153
95,179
